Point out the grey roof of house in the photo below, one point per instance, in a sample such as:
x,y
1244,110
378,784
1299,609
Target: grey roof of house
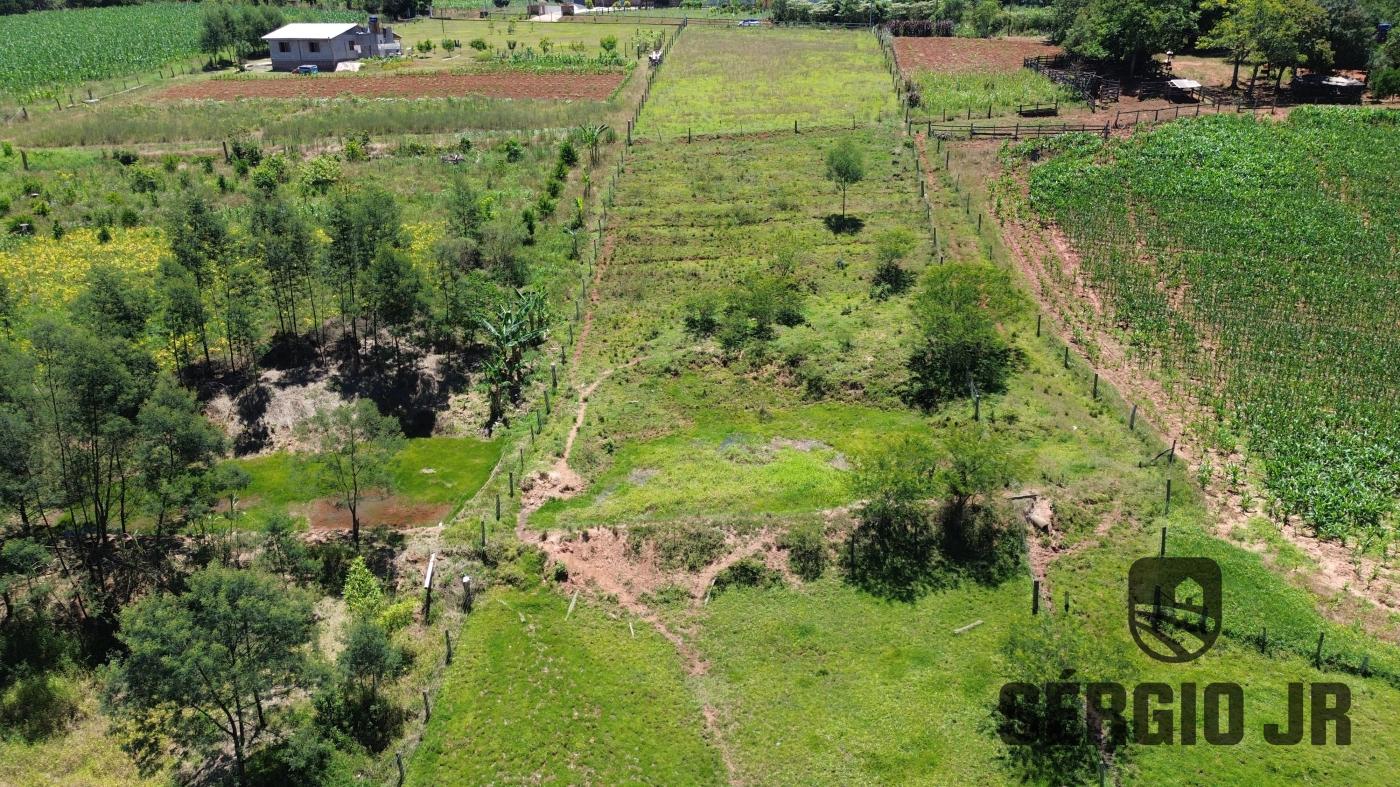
x,y
309,31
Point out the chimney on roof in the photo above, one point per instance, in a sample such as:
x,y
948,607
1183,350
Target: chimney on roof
x,y
374,24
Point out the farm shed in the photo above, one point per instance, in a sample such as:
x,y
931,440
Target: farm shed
x,y
327,44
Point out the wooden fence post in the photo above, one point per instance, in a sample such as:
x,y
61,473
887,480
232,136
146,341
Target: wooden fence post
x,y
1035,597
1132,418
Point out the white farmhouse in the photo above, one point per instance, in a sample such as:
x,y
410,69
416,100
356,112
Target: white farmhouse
x,y
327,44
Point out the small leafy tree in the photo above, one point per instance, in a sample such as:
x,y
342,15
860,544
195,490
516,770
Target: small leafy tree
x,y
211,667
353,703
891,247
609,44
959,348
354,446
176,451
362,592
978,465
845,166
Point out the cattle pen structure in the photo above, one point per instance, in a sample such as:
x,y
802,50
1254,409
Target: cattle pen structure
x,y
1072,73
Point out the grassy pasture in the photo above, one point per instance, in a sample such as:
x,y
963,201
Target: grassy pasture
x,y
683,433
725,81
298,122
822,679
532,697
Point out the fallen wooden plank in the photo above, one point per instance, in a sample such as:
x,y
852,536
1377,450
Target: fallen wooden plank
x,y
974,624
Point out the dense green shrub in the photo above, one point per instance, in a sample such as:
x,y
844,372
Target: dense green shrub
x,y
749,572
687,546
807,550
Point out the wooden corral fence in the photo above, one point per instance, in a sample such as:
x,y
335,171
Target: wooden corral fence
x,y
1063,70
1013,131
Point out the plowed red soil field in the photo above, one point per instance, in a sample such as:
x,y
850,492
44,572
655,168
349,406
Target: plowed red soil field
x,y
596,87
967,55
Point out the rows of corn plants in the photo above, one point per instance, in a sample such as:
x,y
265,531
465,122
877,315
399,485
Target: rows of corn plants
x,y
49,49
1255,265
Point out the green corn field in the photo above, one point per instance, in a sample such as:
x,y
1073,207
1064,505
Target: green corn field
x,y
48,50
1266,288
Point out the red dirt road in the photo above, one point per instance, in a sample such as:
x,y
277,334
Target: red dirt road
x,y
594,87
967,55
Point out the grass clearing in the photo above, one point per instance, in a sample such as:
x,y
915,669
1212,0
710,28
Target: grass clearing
x,y
727,81
282,481
826,684
532,697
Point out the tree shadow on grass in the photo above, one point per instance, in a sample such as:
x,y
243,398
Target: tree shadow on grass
x,y
843,225
913,552
901,564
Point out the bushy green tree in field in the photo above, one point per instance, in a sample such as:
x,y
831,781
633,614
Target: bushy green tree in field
x,y
394,291
893,551
845,166
362,591
891,247
284,553
983,17
1350,29
200,243
354,446
1129,30
1279,32
359,222
980,532
176,453
281,241
959,346
807,550
353,703
1386,83
213,667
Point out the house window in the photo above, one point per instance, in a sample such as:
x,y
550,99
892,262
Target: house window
x,y
315,46
283,46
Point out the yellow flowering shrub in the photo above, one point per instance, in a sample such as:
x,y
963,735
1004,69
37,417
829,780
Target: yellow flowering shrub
x,y
48,272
